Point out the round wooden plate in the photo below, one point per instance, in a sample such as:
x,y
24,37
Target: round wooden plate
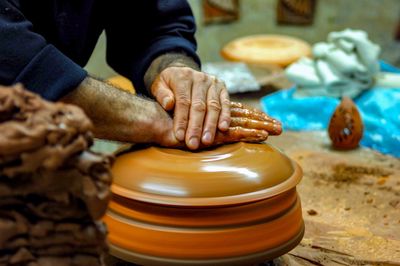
x,y
266,49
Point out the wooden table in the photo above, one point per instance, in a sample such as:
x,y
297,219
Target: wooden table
x,y
350,200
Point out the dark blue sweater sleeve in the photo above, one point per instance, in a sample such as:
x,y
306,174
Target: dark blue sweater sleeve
x,y
26,57
139,31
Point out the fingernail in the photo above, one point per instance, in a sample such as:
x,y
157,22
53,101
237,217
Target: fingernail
x,y
165,102
207,137
277,129
193,143
180,134
224,125
264,135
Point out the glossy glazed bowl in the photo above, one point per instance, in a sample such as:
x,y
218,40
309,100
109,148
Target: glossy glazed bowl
x,y
232,205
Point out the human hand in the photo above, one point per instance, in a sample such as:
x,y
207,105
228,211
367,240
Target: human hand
x,y
247,125
200,102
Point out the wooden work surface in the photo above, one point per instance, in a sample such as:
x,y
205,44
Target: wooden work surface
x,y
350,201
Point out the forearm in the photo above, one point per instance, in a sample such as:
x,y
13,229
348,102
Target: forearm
x,y
167,60
118,115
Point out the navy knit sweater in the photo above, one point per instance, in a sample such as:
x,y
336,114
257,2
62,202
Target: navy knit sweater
x,y
45,43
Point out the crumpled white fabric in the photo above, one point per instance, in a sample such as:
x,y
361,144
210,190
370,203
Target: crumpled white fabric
x,y
345,65
237,76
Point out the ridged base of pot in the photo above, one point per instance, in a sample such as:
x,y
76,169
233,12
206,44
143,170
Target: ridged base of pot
x,y
252,259
223,235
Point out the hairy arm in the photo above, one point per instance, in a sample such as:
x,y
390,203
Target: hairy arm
x,y
118,115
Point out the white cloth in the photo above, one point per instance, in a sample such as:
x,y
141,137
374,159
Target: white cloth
x,y
344,66
237,76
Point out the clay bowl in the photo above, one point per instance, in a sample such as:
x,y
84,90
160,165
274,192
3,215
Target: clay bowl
x,y
232,205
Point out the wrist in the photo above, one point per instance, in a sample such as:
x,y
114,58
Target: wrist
x,y
160,125
167,60
116,114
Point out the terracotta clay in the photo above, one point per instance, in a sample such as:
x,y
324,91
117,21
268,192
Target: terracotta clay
x,y
346,127
53,189
230,205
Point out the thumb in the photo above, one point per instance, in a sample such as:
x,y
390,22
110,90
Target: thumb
x,y
171,141
163,94
165,135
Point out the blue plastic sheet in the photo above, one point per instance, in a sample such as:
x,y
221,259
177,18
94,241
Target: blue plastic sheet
x,y
379,108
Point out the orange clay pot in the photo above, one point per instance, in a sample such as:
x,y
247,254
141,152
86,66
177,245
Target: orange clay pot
x,y
231,205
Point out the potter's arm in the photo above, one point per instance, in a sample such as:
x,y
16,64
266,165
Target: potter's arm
x,y
118,115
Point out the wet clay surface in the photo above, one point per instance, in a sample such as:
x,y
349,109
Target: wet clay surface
x,y
232,205
350,202
233,170
53,190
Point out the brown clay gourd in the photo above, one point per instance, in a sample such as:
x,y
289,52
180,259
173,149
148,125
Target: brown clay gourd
x,y
345,127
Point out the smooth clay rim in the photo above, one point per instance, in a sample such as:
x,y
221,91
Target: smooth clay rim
x,y
289,183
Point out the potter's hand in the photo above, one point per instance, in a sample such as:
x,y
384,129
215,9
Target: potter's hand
x,y
200,103
130,118
248,125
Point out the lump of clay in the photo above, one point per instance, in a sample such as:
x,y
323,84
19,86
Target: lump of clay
x,y
53,189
